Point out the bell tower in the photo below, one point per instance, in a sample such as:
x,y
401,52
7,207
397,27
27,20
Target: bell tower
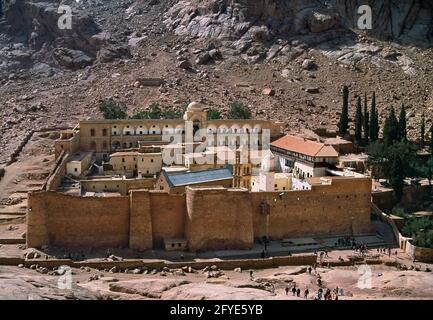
x,y
242,169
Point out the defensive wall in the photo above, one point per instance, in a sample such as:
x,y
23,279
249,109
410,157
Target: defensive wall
x,y
208,218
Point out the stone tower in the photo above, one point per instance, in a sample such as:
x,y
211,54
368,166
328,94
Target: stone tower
x,y
242,169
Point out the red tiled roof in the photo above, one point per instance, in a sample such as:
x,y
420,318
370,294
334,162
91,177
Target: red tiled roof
x,y
303,146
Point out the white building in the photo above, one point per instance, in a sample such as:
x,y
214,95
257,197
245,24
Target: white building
x,y
303,158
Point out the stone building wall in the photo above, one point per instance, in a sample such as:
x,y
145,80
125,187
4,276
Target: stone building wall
x,y
63,220
218,219
209,218
168,214
340,208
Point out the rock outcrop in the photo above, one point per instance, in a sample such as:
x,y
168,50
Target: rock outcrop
x,y
408,21
32,39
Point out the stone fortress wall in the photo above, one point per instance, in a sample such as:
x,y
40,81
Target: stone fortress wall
x,y
209,218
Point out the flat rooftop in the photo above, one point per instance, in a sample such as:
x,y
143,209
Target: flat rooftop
x,y
178,179
80,156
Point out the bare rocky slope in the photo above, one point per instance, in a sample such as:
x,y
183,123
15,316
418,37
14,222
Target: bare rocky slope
x,y
303,50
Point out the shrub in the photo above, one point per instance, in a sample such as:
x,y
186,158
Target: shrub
x,y
113,110
213,114
238,111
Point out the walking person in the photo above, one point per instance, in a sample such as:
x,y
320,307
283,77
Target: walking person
x,y
306,293
287,290
298,293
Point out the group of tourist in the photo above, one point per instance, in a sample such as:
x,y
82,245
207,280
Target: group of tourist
x,y
385,251
296,291
321,294
347,241
361,248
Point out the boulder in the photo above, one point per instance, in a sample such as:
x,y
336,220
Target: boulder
x,y
268,92
203,59
185,64
322,20
72,59
309,64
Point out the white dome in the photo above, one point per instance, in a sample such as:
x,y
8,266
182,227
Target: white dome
x,y
195,106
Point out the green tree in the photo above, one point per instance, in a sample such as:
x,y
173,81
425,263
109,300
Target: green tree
x,y
374,120
154,112
237,110
414,225
390,129
381,157
358,121
366,121
422,132
396,179
343,124
402,131
113,110
213,114
431,138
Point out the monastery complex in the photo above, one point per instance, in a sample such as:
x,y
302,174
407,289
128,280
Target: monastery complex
x,y
193,184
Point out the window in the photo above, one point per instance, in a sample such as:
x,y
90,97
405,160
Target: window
x,y
104,132
151,160
75,169
123,159
104,145
92,132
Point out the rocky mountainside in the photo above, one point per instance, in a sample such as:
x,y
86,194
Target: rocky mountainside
x,y
216,51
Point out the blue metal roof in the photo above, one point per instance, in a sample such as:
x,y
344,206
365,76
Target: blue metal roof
x,y
178,179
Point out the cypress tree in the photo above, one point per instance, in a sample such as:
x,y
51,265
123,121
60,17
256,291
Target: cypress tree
x,y
390,129
366,121
343,125
402,131
422,132
431,138
397,177
358,121
373,121
376,125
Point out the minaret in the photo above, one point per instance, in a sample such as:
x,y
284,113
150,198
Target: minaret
x,y
242,169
